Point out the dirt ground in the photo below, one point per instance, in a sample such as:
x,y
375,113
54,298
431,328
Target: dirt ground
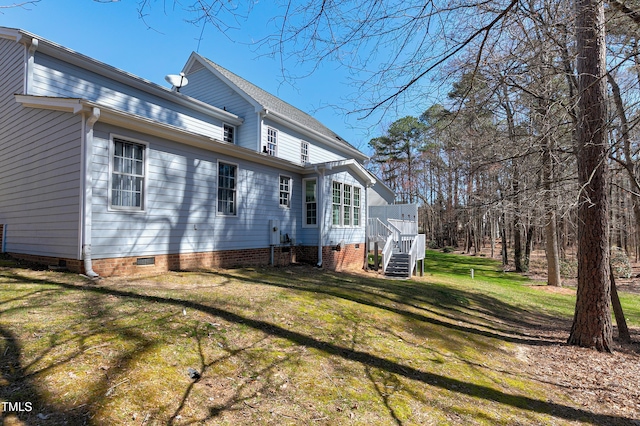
x,y
606,381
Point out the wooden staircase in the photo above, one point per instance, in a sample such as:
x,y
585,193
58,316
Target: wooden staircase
x,y
399,265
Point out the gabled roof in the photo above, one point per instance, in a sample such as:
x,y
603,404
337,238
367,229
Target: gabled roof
x,y
268,102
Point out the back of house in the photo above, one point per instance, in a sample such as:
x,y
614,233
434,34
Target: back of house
x,y
107,174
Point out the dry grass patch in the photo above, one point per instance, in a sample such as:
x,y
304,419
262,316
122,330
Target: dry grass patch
x,y
274,346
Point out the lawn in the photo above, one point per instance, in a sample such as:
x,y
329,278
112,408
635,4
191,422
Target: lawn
x,y
282,346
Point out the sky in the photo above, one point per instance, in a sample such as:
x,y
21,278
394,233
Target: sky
x,y
114,33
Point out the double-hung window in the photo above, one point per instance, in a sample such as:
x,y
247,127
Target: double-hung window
x,y
227,189
285,191
336,203
310,202
272,141
127,175
304,152
228,133
356,206
346,207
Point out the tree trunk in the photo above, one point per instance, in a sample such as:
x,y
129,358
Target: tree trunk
x,y
529,246
623,330
503,235
592,320
551,248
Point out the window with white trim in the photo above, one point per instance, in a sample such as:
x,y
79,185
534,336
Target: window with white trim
x,y
336,203
285,191
356,206
227,184
310,202
272,141
228,133
127,175
346,205
304,152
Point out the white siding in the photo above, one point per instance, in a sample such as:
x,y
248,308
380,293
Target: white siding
x,y
289,145
333,235
39,168
347,234
53,77
180,213
206,87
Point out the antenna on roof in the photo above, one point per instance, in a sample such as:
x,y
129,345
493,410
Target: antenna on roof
x,y
177,81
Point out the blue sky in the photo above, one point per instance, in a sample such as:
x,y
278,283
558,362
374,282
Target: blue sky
x,y
114,33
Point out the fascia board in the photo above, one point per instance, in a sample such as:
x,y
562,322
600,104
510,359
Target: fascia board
x,y
10,33
73,105
351,164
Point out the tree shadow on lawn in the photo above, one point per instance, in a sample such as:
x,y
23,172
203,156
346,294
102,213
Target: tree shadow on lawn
x,y
14,376
19,382
438,303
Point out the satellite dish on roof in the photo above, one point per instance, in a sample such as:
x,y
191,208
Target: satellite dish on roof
x,y
177,80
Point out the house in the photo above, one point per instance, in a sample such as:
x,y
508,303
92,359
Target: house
x,y
105,173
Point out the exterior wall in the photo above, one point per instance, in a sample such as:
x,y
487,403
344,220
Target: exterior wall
x,y
205,87
337,234
379,195
180,213
334,235
335,258
289,145
52,77
40,157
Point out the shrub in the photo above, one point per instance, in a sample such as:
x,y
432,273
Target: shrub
x,y
620,263
568,268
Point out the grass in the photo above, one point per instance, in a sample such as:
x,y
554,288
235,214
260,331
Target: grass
x,y
282,346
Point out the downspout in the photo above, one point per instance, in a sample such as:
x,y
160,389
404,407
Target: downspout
x,y
28,78
87,137
320,212
321,208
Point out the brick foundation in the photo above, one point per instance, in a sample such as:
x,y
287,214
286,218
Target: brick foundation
x,y
334,258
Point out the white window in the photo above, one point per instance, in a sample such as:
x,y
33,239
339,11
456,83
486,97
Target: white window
x,y
285,191
127,175
272,141
227,184
345,205
356,206
310,202
304,152
229,133
336,203
346,208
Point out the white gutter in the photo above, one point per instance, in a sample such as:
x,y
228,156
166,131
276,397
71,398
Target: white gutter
x,y
87,191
